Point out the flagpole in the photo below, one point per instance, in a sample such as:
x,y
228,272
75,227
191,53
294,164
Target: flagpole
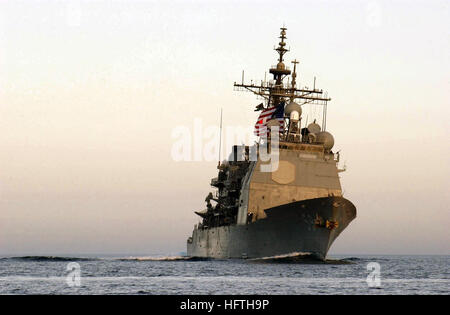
x,y
220,137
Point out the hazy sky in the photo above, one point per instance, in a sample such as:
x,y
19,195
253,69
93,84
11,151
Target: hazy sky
x,y
90,92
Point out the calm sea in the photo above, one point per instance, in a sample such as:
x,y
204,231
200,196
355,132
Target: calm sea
x,y
179,275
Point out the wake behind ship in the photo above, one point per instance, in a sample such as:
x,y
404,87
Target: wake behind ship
x,y
298,206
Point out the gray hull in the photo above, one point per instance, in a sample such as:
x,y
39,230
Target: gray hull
x,y
287,229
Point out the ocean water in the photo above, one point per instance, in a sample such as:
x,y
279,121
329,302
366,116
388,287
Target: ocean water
x,y
293,274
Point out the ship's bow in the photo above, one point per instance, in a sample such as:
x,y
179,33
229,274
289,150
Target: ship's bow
x,y
309,225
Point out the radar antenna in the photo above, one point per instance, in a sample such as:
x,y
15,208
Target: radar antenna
x,y
275,91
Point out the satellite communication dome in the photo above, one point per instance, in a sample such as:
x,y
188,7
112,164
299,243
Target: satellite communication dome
x,y
326,139
314,128
291,107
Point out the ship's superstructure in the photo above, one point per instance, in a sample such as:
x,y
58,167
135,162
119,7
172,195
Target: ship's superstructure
x,y
297,207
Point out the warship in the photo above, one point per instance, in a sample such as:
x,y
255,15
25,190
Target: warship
x,y
298,206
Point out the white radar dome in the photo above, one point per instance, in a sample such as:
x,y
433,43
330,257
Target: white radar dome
x,y
294,116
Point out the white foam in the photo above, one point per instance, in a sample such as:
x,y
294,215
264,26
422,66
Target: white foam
x,y
293,254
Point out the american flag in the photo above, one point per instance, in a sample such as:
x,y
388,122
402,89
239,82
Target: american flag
x,y
275,112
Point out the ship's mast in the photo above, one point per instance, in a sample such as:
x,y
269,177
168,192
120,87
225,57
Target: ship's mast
x,y
275,92
280,71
